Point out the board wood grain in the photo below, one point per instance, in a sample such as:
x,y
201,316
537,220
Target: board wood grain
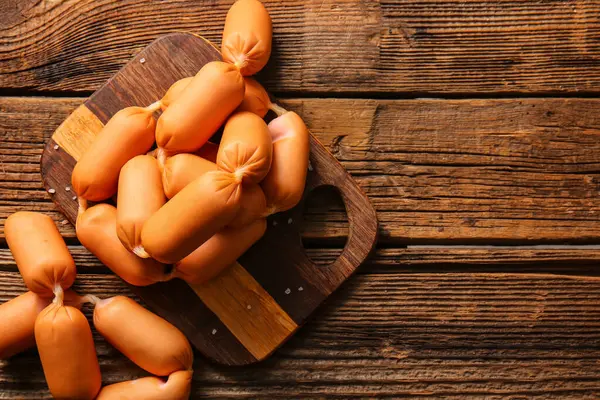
x,y
392,47
257,331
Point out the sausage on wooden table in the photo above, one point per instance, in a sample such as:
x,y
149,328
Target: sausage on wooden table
x,y
246,147
219,252
192,216
145,338
129,133
140,195
66,347
247,36
40,252
177,387
201,108
284,184
97,231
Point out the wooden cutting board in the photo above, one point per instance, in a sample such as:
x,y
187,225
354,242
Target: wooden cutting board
x,y
253,307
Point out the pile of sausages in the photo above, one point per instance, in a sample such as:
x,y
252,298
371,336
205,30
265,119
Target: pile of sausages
x,y
187,209
190,208
49,316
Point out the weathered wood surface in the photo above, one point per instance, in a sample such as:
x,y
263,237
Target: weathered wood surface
x,y
453,171
456,335
322,46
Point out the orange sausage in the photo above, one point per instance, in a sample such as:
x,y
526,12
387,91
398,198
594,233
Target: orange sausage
x,y
177,387
284,184
256,100
18,320
97,231
219,252
145,338
40,252
181,169
208,152
246,148
64,341
194,116
253,205
247,36
174,92
192,216
140,196
129,133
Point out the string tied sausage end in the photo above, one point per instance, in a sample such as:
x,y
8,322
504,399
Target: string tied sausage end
x,y
59,294
154,106
140,252
277,109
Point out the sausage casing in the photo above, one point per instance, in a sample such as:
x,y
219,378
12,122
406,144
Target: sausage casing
x,y
284,184
200,109
253,205
181,169
256,99
66,347
97,231
192,216
174,92
177,387
140,195
246,147
40,252
129,133
145,338
219,252
247,36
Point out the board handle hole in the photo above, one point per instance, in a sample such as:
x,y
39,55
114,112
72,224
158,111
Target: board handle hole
x,y
325,227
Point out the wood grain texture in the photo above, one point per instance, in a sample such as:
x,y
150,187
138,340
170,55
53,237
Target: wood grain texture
x,y
458,171
396,335
391,46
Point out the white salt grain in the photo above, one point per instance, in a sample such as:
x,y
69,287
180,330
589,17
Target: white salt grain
x,y
64,222
55,147
51,191
289,221
288,291
310,168
142,60
300,289
214,331
74,198
249,307
68,188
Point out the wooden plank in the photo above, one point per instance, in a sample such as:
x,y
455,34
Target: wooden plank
x,y
397,335
562,260
453,171
392,46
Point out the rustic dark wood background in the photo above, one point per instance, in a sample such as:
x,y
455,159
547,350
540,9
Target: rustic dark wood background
x,y
474,127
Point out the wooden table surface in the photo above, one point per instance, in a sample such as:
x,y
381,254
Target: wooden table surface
x,y
473,125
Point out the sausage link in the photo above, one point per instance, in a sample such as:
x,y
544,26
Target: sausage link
x,y
219,252
97,231
181,169
18,320
40,252
194,116
177,387
66,347
256,99
253,205
145,338
246,148
140,195
247,36
284,184
174,92
129,133
192,216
